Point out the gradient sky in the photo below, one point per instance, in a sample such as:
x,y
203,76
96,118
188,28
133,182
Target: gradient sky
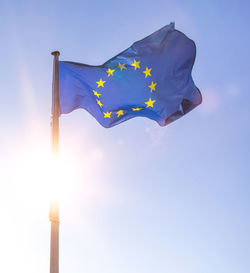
x,y
141,198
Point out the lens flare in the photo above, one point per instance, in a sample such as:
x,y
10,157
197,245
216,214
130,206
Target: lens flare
x,y
42,177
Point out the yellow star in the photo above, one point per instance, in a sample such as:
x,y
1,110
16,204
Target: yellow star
x,y
110,72
107,115
150,103
100,83
120,113
122,66
136,109
99,103
96,94
147,72
136,64
152,86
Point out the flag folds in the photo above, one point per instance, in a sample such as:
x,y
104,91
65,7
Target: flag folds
x,y
152,79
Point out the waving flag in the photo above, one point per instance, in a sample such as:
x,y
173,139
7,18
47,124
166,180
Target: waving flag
x,y
152,79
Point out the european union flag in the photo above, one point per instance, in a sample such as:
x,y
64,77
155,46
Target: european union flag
x,y
152,79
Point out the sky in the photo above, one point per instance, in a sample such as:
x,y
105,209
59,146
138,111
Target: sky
x,y
137,197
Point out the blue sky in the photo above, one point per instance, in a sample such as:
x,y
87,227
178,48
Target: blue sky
x,y
142,198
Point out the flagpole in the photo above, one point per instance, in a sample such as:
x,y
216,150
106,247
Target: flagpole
x,y
54,207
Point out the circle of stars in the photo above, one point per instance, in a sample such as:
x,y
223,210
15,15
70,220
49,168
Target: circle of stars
x,y
110,72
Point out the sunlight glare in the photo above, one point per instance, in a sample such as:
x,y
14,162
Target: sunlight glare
x,y
42,177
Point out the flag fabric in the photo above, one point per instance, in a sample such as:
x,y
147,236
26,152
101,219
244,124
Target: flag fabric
x,y
152,79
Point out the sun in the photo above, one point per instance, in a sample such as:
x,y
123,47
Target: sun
x,y
42,177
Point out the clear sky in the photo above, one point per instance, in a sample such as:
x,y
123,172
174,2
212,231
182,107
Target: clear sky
x,y
139,198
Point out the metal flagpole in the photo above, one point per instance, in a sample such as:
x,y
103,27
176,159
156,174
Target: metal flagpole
x,y
54,208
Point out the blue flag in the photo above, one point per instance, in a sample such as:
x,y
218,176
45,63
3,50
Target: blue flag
x,y
152,79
